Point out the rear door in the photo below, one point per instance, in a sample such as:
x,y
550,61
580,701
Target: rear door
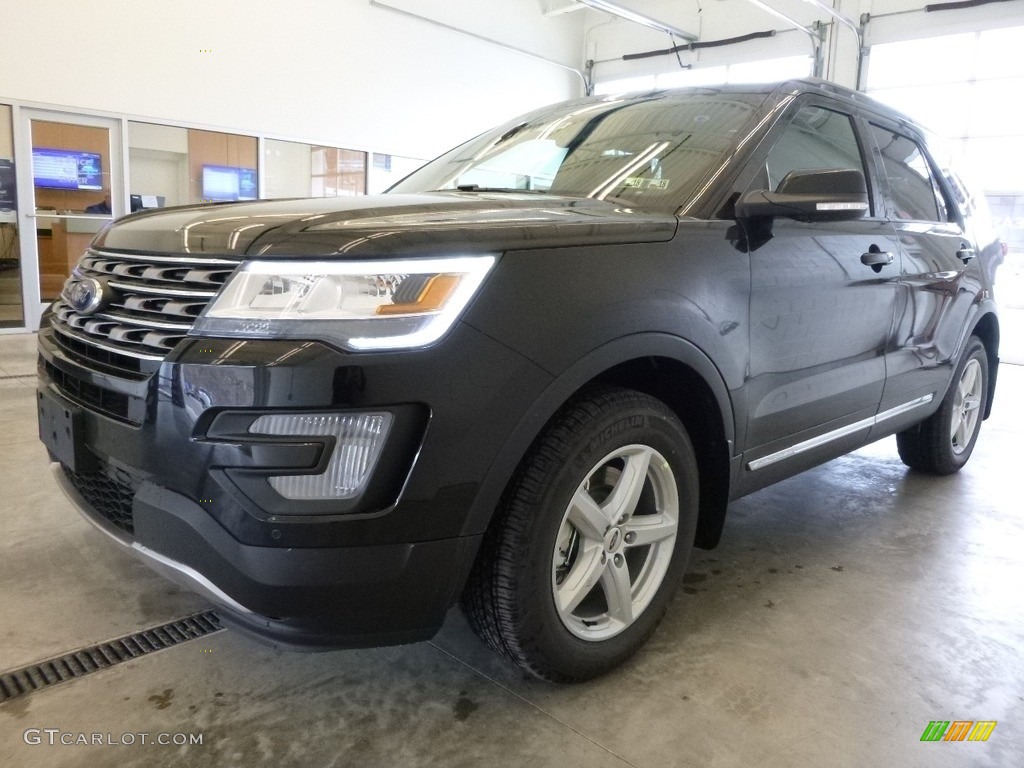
x,y
820,317
939,276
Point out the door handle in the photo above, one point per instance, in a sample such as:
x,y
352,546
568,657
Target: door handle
x,y
966,253
876,258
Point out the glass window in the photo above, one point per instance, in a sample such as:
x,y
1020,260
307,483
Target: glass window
x,y
157,166
931,106
998,163
931,60
999,53
1008,218
287,169
689,78
625,85
178,166
221,166
338,172
294,169
915,195
768,70
997,108
10,262
762,71
816,139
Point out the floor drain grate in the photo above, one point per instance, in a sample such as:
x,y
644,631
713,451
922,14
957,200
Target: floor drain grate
x,y
93,658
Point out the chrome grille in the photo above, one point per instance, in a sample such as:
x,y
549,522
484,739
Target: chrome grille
x,y
156,299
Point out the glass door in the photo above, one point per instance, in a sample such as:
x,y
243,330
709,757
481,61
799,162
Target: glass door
x,y
11,302
76,186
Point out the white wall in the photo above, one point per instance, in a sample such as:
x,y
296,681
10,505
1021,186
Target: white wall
x,y
338,72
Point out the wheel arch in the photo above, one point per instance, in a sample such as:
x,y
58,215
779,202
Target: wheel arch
x,y
671,369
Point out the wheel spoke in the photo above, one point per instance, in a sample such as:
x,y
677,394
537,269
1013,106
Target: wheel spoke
x,y
652,530
972,403
589,518
956,426
618,592
580,581
624,497
968,380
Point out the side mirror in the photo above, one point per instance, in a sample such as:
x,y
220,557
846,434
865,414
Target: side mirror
x,y
830,195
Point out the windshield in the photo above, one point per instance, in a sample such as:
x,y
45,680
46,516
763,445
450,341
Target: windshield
x,y
647,151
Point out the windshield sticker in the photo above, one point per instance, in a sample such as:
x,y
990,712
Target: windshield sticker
x,y
640,183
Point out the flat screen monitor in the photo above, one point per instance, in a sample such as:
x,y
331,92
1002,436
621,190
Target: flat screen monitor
x,y
8,196
67,169
144,202
246,183
228,183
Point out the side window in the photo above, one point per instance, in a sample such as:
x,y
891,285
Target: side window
x,y
915,194
816,139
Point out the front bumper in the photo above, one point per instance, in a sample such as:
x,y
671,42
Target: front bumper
x,y
166,485
332,598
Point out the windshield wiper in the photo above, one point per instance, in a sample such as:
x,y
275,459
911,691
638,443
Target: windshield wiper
x,y
478,188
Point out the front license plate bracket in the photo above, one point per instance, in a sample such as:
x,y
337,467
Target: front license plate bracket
x,y
60,429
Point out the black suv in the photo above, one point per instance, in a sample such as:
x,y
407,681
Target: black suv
x,y
531,376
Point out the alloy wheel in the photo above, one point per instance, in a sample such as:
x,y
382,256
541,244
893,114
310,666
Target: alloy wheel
x,y
615,542
966,406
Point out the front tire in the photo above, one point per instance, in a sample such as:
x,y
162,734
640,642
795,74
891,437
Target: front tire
x,y
590,540
943,442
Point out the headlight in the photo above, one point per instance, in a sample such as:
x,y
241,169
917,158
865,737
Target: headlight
x,y
360,305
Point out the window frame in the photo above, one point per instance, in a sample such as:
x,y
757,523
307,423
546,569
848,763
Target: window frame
x,y
941,196
755,163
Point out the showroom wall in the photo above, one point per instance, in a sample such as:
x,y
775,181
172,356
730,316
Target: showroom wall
x,y
340,72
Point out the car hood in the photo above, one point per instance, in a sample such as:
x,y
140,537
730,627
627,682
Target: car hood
x,y
439,222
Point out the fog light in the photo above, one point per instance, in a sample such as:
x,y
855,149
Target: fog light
x,y
359,438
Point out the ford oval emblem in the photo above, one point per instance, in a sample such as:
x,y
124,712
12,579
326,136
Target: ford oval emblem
x,y
85,295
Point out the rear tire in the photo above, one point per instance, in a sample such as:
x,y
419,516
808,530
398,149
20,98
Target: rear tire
x,y
590,539
943,443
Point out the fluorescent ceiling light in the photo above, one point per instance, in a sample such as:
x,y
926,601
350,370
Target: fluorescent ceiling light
x,y
625,13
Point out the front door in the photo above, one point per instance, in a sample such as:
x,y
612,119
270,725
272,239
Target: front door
x,y
820,317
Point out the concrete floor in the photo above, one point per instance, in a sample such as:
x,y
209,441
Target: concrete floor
x,y
845,609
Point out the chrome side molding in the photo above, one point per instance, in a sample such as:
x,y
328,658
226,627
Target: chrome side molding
x,y
836,434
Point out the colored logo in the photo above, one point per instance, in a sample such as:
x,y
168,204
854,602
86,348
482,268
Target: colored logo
x,y
958,730
85,295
